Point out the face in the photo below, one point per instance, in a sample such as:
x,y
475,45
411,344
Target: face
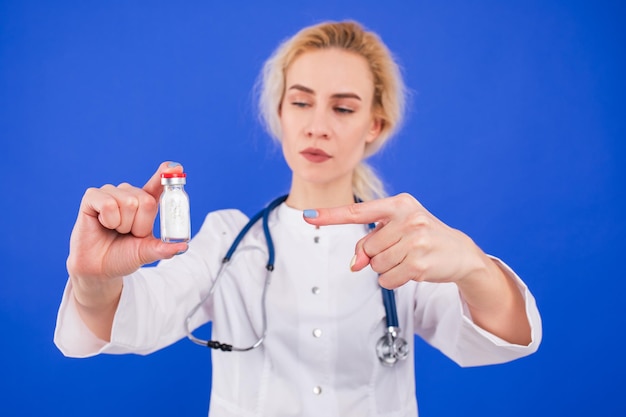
x,y
326,116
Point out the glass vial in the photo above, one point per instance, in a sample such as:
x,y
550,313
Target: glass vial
x,y
174,209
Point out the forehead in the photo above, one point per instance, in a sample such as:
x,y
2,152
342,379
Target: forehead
x,y
329,71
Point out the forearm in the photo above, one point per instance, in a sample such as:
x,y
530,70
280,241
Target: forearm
x,y
96,303
495,302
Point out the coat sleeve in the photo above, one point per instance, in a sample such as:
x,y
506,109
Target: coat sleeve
x,y
155,300
443,320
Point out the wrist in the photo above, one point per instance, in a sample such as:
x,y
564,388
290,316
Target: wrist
x,y
481,275
476,265
97,294
484,288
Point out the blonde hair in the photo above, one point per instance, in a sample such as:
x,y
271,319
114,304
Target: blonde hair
x,y
389,95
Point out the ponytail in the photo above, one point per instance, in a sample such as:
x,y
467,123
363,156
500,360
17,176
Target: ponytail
x,y
366,185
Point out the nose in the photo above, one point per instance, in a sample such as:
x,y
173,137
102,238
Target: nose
x,y
318,126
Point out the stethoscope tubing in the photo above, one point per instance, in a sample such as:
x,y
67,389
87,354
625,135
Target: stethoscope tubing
x,y
386,347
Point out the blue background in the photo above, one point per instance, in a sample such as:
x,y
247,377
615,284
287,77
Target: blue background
x,y
515,135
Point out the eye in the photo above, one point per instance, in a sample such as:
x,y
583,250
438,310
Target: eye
x,y
343,110
301,104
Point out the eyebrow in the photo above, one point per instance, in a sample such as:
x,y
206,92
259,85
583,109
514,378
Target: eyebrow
x,y
307,90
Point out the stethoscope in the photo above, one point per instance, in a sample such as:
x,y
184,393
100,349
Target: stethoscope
x,y
390,347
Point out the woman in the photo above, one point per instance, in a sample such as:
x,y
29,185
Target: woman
x,y
332,95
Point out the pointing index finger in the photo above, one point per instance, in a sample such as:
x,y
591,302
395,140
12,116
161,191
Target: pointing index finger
x,y
356,213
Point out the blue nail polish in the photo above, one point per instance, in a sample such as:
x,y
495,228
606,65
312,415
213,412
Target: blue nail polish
x,y
310,214
173,165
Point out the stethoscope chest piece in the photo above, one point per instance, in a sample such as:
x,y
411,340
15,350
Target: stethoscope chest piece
x,y
391,347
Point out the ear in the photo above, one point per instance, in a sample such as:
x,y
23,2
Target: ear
x,y
375,129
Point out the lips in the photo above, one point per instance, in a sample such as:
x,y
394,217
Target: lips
x,y
315,155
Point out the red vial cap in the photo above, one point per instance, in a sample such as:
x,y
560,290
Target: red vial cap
x,y
174,175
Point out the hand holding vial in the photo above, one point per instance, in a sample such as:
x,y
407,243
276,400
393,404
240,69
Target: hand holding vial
x,y
113,237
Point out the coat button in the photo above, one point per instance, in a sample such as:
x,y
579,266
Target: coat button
x,y
315,290
317,390
317,332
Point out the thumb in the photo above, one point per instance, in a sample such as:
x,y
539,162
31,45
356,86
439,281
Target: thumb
x,y
154,249
360,259
153,186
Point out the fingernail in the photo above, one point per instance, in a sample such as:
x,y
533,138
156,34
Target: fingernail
x,y
310,214
352,262
182,251
173,165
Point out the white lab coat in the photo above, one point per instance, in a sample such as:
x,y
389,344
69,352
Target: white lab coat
x,y
323,321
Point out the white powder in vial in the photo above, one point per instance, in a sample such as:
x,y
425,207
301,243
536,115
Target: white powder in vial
x,y
174,211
